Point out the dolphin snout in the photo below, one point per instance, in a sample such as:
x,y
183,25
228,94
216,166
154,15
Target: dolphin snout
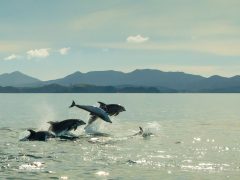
x,y
81,123
108,120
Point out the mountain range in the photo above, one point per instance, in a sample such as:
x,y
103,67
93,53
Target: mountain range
x,y
145,78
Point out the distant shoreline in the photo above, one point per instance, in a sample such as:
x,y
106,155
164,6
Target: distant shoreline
x,y
56,88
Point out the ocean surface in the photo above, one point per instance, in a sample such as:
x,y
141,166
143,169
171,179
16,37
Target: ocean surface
x,y
194,136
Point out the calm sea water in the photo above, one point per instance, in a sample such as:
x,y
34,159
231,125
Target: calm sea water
x,y
196,136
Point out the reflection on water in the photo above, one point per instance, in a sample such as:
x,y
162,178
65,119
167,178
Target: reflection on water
x,y
191,139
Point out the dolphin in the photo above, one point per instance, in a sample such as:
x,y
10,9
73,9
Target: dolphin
x,y
62,127
142,133
94,111
38,135
110,109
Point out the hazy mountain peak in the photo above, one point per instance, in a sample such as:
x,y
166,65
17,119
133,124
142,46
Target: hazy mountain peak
x,y
16,78
146,70
236,77
104,72
75,74
16,72
216,77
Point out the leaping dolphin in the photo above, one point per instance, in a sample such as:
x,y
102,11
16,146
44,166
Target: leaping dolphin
x,y
95,111
62,127
38,135
111,109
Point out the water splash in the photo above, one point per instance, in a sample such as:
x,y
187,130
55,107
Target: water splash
x,y
102,173
32,166
153,127
46,113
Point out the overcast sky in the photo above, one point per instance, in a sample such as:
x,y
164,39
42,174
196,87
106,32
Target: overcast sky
x,y
52,38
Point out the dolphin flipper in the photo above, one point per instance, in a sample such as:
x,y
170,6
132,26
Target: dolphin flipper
x,y
92,119
116,113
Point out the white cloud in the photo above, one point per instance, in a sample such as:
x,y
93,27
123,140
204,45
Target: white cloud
x,y
11,57
137,39
64,51
38,53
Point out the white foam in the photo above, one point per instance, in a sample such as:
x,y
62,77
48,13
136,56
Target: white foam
x,y
197,138
226,148
152,127
206,167
187,160
102,173
94,140
63,177
32,166
161,156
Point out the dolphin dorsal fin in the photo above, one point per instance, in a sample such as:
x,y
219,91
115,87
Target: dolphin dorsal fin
x,y
31,131
141,129
73,104
101,103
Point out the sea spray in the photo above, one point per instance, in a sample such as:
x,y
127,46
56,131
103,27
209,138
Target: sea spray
x,y
46,113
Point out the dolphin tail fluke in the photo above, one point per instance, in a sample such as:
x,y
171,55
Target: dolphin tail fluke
x,y
73,104
51,122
